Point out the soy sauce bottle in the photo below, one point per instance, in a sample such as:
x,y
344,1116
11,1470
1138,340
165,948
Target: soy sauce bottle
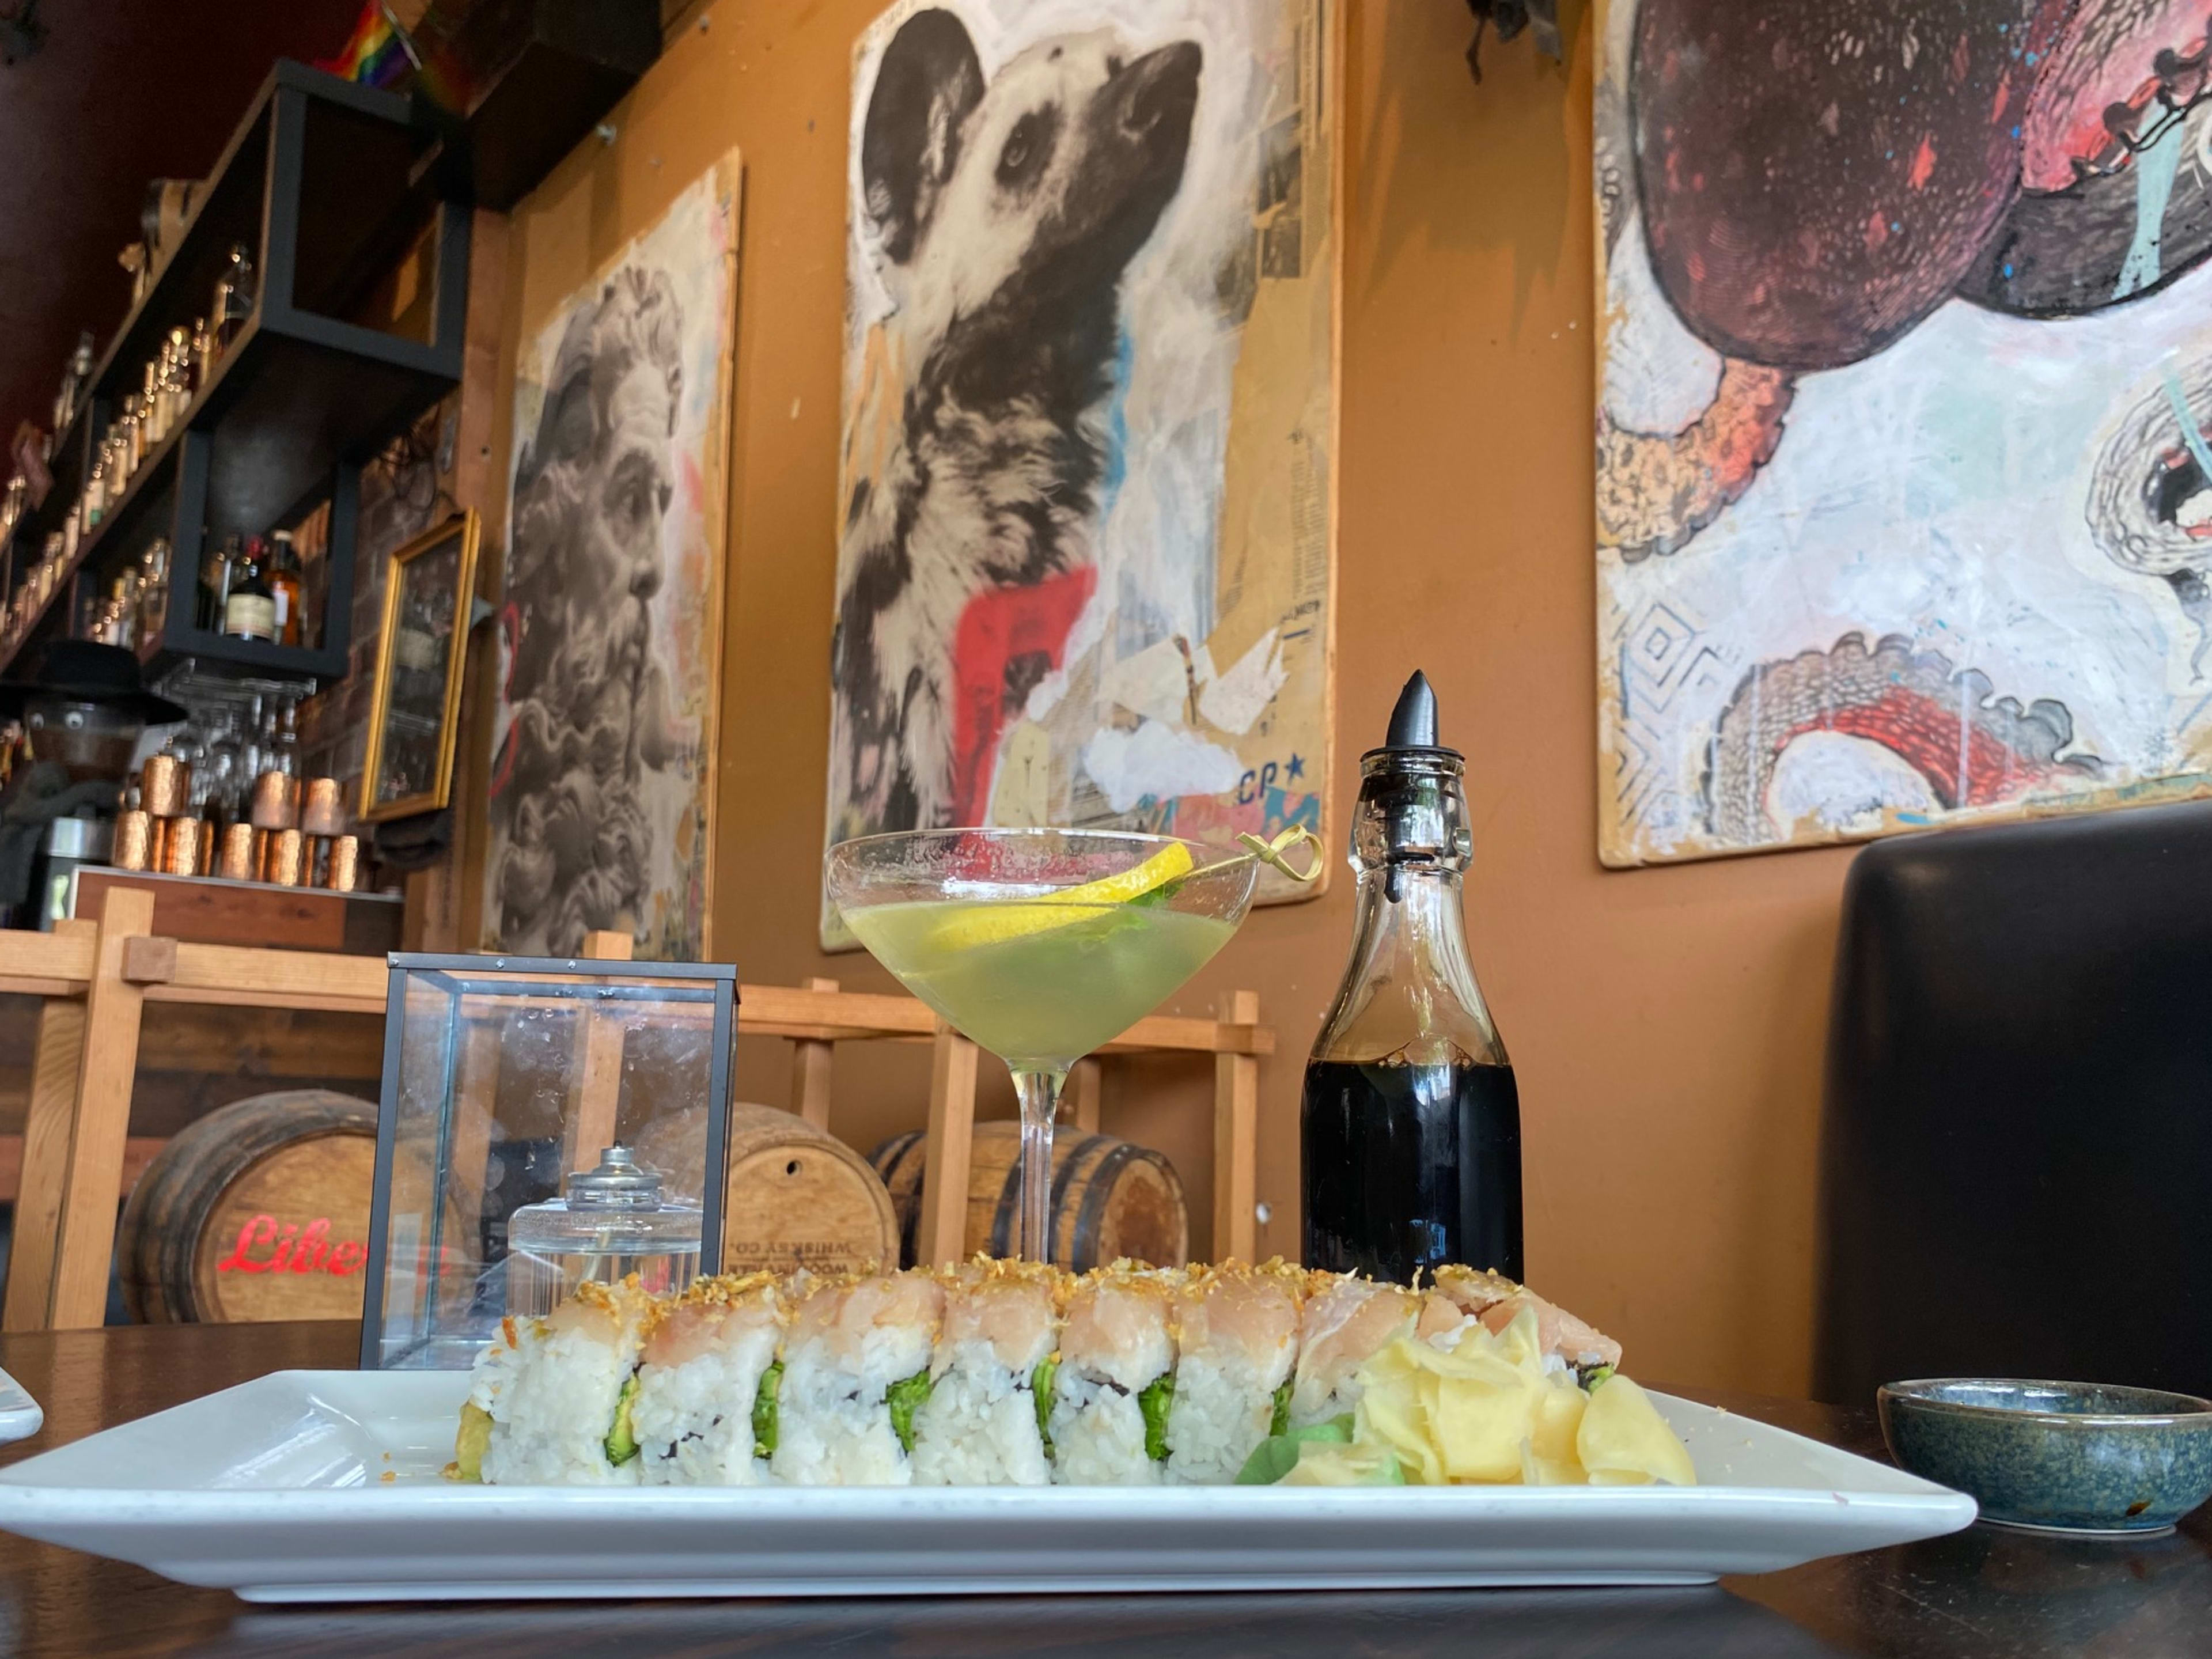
x,y
1410,1123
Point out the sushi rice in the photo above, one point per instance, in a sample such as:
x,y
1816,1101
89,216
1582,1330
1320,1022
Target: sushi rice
x,y
850,1344
555,1392
980,1425
700,1380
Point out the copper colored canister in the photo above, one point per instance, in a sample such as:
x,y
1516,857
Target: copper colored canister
x,y
181,841
322,808
165,787
236,861
342,874
133,846
276,801
287,860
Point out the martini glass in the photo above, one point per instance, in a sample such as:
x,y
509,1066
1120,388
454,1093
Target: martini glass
x,y
1039,945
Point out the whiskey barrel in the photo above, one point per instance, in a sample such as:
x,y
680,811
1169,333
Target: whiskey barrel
x,y
796,1195
259,1211
1110,1198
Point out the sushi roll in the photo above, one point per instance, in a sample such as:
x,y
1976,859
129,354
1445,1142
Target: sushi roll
x,y
1114,1385
981,1424
1237,1340
551,1400
699,1388
1566,1342
855,1366
1345,1323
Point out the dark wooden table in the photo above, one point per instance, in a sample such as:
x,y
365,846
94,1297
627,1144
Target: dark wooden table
x,y
1984,1591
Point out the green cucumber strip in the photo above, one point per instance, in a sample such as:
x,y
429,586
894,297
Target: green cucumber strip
x,y
904,1398
764,1411
1281,1424
1590,1376
1041,1381
622,1438
1155,1400
1278,1454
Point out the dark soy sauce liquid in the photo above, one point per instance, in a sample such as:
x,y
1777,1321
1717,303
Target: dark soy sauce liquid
x,y
1412,1166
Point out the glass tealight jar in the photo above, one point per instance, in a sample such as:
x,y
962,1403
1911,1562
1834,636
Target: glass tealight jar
x,y
608,1223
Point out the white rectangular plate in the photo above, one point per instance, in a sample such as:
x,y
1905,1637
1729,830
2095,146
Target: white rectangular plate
x,y
324,1486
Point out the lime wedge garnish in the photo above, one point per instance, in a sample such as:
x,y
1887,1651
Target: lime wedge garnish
x,y
991,924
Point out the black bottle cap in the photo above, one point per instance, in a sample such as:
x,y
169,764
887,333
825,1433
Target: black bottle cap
x,y
1413,721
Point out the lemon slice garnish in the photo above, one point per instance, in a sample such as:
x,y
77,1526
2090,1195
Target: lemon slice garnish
x,y
992,924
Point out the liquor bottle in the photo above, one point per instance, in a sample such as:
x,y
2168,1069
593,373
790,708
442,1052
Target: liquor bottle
x,y
151,427
283,749
93,503
1410,1122
153,589
203,354
130,436
283,576
70,397
233,299
250,610
216,566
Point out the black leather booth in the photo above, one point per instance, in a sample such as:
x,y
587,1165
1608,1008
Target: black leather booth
x,y
2017,1148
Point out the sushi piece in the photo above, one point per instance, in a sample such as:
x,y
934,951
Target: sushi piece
x,y
551,1400
855,1367
1115,1386
699,1389
1345,1323
1236,1341
1566,1342
981,1424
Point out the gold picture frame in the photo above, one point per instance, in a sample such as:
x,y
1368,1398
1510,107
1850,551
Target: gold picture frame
x,y
431,583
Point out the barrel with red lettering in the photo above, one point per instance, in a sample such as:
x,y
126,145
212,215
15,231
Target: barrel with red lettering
x,y
259,1211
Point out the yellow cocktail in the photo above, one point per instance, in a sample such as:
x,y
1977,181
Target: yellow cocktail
x,y
1039,945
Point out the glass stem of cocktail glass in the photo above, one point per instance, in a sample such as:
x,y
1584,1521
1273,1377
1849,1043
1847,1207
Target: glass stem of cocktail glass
x,y
1039,1093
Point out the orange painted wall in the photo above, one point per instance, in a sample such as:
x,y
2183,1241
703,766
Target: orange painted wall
x,y
1667,1023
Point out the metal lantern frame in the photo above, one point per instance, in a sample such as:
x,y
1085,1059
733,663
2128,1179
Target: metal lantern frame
x,y
460,977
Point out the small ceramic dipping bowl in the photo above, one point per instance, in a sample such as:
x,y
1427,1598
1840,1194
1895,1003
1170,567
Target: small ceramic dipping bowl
x,y
2060,1456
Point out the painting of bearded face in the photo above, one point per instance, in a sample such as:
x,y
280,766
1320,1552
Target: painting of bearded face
x,y
600,798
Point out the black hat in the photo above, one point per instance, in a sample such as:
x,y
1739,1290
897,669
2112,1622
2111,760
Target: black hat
x,y
85,672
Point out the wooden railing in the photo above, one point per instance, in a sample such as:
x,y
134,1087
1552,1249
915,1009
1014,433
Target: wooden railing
x,y
96,978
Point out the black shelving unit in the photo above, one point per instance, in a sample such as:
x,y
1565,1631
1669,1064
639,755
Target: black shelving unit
x,y
326,182
560,66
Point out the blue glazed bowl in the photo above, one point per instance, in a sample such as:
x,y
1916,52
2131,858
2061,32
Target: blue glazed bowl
x,y
2062,1456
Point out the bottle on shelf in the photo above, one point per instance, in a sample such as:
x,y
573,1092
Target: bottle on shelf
x,y
1410,1121
284,753
153,589
233,299
152,412
70,397
250,610
283,576
130,434
94,504
204,353
217,566
124,593
177,387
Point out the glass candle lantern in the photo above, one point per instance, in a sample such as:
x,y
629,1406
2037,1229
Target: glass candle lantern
x,y
609,1224
525,1100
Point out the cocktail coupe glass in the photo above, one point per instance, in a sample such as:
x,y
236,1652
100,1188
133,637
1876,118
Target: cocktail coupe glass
x,y
1041,945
